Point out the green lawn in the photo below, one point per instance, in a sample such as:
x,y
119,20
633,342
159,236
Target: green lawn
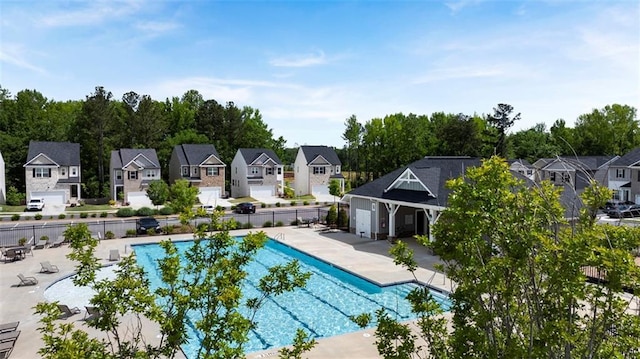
x,y
7,208
90,207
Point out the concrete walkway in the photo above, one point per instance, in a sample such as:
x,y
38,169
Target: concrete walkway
x,y
361,256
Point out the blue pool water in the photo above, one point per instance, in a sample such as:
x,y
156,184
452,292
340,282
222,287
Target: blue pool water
x,y
322,308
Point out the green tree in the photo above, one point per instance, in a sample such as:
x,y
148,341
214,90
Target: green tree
x,y
334,188
501,120
158,192
562,138
532,144
353,135
207,281
518,267
182,196
612,130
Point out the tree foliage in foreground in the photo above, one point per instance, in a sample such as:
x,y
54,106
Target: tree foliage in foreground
x,y
206,282
520,290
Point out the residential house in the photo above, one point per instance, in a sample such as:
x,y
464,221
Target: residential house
x,y
314,168
522,167
130,171
409,200
3,182
624,177
574,172
199,164
257,173
52,172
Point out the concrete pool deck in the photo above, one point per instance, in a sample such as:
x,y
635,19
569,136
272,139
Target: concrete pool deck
x,y
361,256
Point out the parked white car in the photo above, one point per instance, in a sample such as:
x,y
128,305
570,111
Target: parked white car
x,y
35,204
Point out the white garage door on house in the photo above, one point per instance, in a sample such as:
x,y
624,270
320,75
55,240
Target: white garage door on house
x,y
261,191
322,189
138,199
209,195
51,198
363,222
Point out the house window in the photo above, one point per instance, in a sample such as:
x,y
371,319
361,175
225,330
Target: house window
x,y
254,171
269,171
150,173
212,171
337,169
195,171
63,171
280,170
74,171
118,174
529,172
132,175
638,176
40,172
619,172
566,178
552,176
319,170
185,171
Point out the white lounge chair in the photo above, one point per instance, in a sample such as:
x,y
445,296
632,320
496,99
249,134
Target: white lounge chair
x,y
114,255
48,267
27,280
66,311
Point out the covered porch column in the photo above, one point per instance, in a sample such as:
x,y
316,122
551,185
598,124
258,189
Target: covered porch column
x,y
432,216
392,209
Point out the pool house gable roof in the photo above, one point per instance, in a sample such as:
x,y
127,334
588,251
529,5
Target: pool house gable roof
x,y
428,188
409,181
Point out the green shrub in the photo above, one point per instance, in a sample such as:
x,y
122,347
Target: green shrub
x,y
279,224
317,203
125,212
131,233
103,214
151,231
109,235
247,225
94,215
144,212
15,198
267,224
277,204
166,211
167,229
22,241
112,202
50,217
343,218
15,217
44,238
71,215
84,214
293,203
62,216
219,208
203,227
305,203
294,222
38,216
263,205
332,215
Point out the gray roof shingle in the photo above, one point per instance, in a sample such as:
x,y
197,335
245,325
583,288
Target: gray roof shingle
x,y
629,159
62,153
121,157
311,152
251,154
195,154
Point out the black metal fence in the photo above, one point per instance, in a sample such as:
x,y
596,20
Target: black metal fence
x,y
10,234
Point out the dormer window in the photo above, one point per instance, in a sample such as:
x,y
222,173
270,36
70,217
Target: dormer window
x,y
74,171
185,171
337,169
63,171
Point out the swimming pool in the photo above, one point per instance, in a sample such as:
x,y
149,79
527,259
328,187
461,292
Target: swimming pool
x,y
322,308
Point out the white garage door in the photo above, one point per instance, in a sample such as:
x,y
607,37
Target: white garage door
x,y
363,223
138,199
261,191
322,189
208,195
51,198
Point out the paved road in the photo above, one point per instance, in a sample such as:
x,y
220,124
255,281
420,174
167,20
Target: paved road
x,y
12,232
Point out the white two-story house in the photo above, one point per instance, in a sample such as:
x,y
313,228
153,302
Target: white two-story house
x,y
130,171
52,172
624,177
256,173
314,168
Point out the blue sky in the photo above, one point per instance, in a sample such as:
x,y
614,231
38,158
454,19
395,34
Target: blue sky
x,y
309,65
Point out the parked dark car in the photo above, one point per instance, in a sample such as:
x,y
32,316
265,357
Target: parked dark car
x,y
614,204
144,224
625,211
245,207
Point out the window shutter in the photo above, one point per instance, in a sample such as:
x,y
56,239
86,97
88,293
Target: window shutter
x,y
34,172
49,172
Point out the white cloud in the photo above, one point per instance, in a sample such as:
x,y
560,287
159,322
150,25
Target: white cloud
x,y
301,60
157,27
95,12
15,55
